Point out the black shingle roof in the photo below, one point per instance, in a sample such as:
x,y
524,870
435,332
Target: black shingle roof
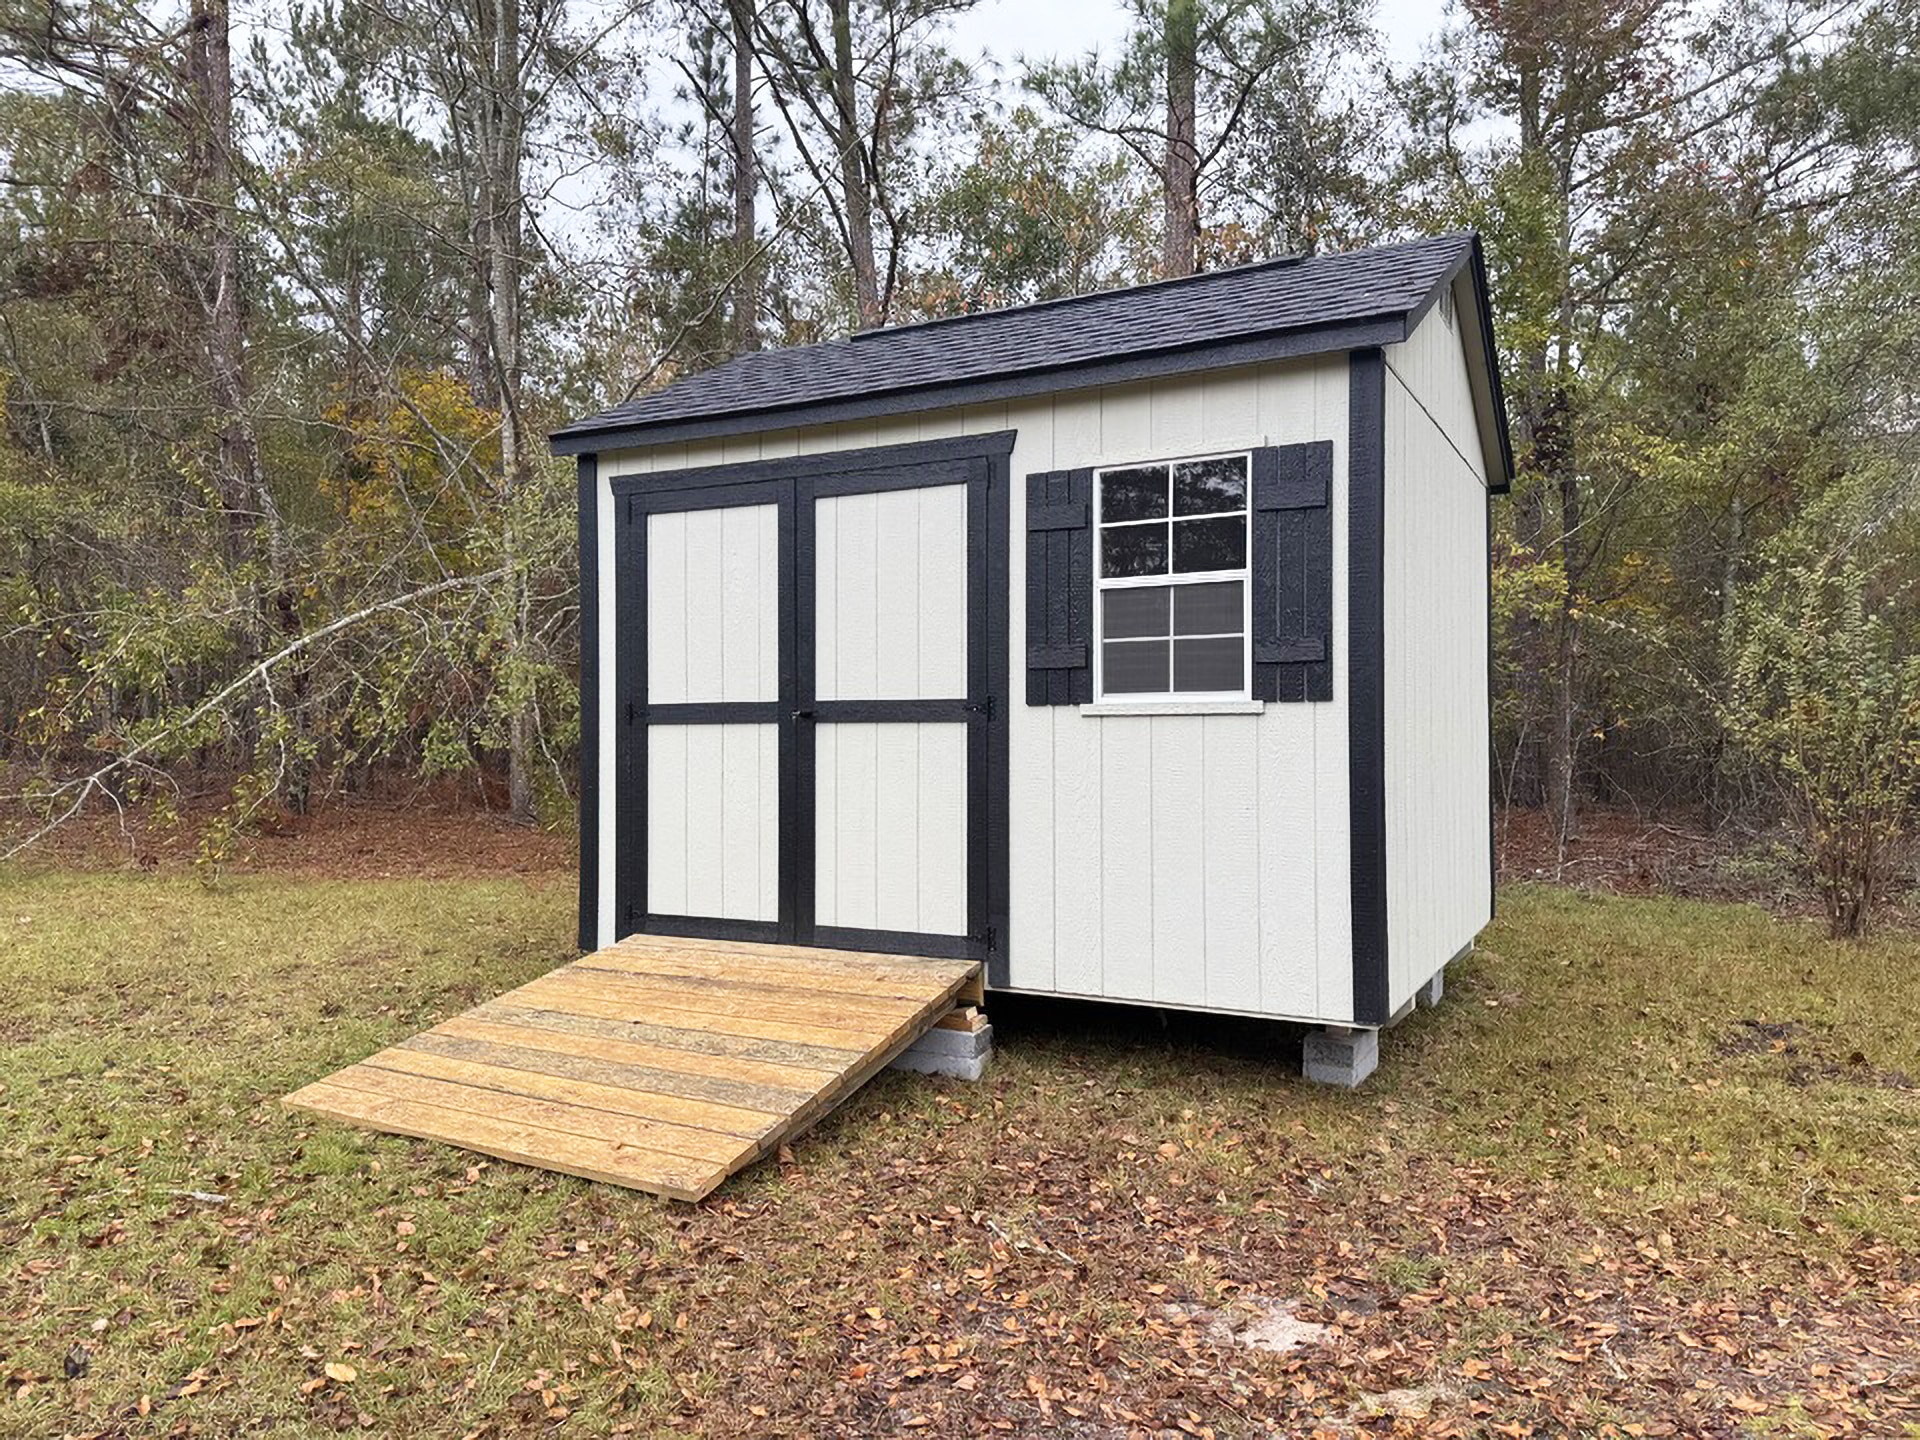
x,y
1293,306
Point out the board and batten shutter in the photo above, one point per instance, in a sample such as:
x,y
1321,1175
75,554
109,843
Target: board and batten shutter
x,y
1291,577
1293,572
1060,587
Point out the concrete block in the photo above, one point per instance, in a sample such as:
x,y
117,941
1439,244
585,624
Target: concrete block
x,y
1338,1056
1429,994
960,1054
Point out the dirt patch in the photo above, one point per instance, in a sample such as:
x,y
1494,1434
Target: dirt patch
x,y
1810,1058
399,828
1255,1322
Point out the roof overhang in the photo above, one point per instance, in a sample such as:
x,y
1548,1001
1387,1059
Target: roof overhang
x,y
1469,274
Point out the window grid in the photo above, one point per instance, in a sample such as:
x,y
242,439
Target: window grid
x,y
1172,580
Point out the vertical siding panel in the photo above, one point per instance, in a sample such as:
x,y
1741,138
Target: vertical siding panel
x,y
1126,424
1129,856
740,826
667,819
934,641
826,822
942,838
856,556
826,599
1230,410
767,602
1289,827
940,425
1174,410
1181,846
897,597
1076,852
769,820
706,605
706,817
666,608
896,827
1231,882
740,579
1029,734
856,843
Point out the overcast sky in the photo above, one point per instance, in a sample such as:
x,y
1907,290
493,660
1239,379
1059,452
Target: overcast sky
x,y
1037,28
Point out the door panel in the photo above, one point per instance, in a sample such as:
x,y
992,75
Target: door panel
x,y
890,599
890,831
713,821
713,597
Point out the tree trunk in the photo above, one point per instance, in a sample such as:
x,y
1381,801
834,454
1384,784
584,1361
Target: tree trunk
x,y
855,195
1180,177
746,291
501,147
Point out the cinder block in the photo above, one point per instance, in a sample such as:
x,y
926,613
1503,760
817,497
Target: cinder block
x,y
961,1054
1336,1056
1429,994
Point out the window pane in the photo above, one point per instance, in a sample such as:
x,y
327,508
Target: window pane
x,y
1137,494
1134,550
1209,545
1201,487
1208,609
1135,667
1206,665
1136,612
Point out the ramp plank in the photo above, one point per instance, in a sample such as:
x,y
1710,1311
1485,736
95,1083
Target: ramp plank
x,y
660,1064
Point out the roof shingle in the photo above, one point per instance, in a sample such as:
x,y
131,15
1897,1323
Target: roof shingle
x,y
1217,307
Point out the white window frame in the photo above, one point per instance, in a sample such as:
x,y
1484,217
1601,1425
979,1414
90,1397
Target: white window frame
x,y
1170,698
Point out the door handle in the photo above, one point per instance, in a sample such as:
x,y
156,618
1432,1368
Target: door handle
x,y
805,714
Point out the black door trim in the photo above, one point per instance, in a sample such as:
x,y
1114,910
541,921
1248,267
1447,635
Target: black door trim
x,y
793,484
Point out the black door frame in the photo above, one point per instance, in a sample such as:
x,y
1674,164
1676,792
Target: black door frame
x,y
793,485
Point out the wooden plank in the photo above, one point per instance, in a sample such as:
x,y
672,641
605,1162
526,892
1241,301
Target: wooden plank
x,y
544,994
700,1114
649,1079
704,1042
777,991
603,1072
649,992
830,987
628,1052
628,1131
523,1144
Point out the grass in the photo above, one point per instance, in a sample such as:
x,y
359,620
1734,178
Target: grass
x,y
1652,1168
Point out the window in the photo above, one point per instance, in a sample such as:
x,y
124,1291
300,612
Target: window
x,y
1172,583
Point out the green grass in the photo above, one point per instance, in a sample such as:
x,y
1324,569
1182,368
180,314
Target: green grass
x,y
1585,1193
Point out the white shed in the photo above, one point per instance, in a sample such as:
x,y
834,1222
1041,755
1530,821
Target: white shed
x,y
1134,644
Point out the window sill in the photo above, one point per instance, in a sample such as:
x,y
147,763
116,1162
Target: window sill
x,y
1174,707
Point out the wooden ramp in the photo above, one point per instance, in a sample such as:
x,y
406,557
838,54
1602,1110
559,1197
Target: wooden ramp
x,y
657,1063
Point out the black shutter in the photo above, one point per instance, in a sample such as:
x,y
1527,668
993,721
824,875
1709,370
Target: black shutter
x,y
1293,572
1060,587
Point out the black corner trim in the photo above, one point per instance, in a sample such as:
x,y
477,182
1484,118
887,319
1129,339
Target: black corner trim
x,y
588,499
1366,685
1293,572
1060,587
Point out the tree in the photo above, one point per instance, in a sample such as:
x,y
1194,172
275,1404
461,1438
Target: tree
x,y
1200,83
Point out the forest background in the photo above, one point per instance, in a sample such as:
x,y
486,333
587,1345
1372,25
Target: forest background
x,y
291,293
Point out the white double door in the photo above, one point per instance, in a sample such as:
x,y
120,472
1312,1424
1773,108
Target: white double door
x,y
809,743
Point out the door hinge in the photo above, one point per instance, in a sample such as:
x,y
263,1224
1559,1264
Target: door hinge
x,y
983,707
988,939
632,711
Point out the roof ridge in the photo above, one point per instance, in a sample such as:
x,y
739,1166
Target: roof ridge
x,y
1277,262
1246,267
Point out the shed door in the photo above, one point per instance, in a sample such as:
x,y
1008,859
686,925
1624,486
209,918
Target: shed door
x,y
810,752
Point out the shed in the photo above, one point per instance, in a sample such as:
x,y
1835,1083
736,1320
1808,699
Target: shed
x,y
1134,644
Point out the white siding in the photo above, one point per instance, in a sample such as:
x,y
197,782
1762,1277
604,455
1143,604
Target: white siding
x,y
1439,887
713,821
890,595
890,830
713,618
1175,859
